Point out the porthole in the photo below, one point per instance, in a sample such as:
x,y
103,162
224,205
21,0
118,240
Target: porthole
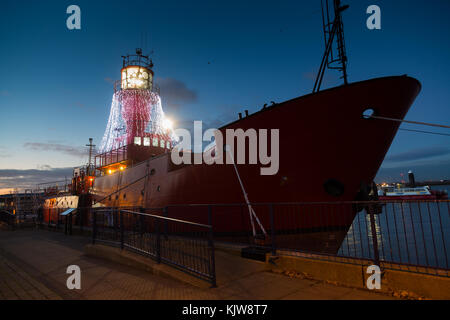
x,y
368,113
152,172
334,187
158,188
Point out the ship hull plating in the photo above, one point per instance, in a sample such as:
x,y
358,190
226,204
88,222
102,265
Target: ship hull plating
x,y
328,152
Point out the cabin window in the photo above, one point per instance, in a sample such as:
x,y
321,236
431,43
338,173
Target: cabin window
x,y
168,145
146,141
155,142
162,143
137,140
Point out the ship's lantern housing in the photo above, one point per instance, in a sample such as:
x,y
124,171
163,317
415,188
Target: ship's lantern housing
x,y
136,77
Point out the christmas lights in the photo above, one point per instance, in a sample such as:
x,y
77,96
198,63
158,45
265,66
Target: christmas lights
x,y
135,113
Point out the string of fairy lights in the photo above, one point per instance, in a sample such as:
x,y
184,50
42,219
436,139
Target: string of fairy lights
x,y
128,107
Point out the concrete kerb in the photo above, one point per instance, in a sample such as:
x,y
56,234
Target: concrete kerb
x,y
400,283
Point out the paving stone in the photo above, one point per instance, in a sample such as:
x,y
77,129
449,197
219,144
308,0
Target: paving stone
x,y
33,265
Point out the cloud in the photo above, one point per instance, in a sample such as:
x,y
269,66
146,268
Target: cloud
x,y
109,80
56,147
44,167
419,153
29,178
4,152
175,92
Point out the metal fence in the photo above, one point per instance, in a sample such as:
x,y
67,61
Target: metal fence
x,y
406,235
7,218
185,245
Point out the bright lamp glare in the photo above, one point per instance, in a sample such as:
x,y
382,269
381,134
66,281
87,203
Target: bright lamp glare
x,y
167,124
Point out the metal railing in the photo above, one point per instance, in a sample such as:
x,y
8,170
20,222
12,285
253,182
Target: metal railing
x,y
405,235
402,235
110,157
8,218
182,244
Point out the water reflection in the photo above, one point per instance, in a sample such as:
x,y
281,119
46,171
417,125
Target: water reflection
x,y
407,232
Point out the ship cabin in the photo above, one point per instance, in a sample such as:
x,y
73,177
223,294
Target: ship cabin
x,y
142,149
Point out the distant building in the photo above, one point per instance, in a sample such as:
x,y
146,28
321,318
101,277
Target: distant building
x,y
20,203
412,180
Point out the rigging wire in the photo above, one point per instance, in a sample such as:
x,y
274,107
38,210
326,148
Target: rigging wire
x,y
428,132
412,122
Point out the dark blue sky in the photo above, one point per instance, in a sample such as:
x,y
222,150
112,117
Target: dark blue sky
x,y
213,59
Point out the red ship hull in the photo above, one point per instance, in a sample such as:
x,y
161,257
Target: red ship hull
x,y
323,138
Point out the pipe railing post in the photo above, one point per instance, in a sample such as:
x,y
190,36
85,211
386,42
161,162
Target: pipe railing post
x,y
272,227
122,231
70,223
158,241
94,226
376,258
212,258
166,214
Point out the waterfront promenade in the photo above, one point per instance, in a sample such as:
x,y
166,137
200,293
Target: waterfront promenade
x,y
33,265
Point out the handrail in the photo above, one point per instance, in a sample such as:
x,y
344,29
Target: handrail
x,y
167,218
301,203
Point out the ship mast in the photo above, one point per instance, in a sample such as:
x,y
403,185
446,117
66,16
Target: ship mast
x,y
334,41
90,145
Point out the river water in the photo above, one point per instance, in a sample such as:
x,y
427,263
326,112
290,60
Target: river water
x,y
416,233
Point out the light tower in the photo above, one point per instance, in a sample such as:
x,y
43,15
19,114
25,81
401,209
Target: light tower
x,y
136,92
136,127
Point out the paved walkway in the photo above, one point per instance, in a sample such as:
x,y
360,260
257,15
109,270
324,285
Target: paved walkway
x,y
33,265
